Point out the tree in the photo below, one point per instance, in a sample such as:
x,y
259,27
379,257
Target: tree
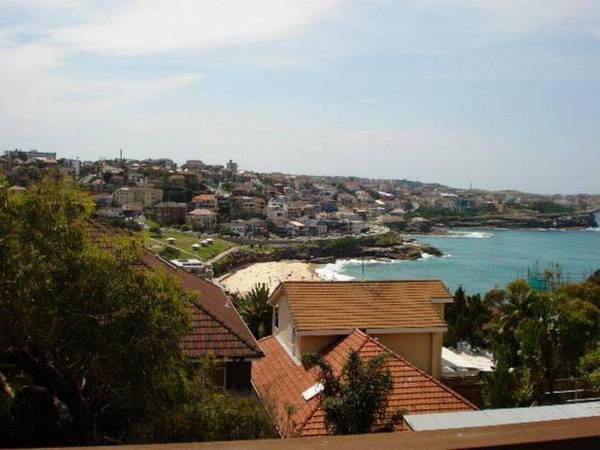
x,y
90,341
502,388
541,336
356,402
467,317
90,338
255,309
590,366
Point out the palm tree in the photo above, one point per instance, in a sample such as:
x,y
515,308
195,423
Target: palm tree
x,y
357,401
255,310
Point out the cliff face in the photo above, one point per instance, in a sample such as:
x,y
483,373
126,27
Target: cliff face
x,y
580,220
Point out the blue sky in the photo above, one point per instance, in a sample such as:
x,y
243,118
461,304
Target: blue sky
x,y
500,93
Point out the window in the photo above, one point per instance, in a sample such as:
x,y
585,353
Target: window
x,y
276,316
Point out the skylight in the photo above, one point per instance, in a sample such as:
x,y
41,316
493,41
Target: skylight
x,y
312,391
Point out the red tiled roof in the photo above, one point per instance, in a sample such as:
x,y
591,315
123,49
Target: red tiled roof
x,y
327,305
280,382
202,212
203,198
217,327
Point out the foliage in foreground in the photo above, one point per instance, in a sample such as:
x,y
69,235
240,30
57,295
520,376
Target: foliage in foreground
x,y
89,349
355,402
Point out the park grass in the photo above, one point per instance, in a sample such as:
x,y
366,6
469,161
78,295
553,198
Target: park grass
x,y
184,242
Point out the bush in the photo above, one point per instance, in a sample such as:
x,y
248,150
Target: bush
x,y
169,252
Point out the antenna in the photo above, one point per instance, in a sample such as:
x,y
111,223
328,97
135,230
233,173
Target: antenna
x,y
363,266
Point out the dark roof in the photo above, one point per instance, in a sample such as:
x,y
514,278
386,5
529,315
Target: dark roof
x,y
217,327
280,382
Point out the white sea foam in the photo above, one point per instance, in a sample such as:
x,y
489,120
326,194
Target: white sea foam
x,y
331,272
471,234
595,229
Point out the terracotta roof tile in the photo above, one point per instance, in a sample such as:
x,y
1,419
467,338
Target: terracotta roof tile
x,y
280,382
217,327
321,305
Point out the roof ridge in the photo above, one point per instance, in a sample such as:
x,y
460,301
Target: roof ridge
x,y
224,324
420,280
241,319
418,369
206,310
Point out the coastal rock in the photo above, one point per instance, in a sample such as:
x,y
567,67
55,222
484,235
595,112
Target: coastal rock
x,y
542,221
390,246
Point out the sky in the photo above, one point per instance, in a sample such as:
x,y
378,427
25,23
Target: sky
x,y
503,94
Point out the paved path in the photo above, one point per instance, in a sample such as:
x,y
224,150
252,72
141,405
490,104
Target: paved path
x,y
223,254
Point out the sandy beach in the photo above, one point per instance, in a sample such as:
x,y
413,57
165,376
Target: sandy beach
x,y
270,273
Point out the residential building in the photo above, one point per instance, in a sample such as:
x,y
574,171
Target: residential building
x,y
276,208
216,329
137,178
122,196
170,213
402,319
292,390
295,228
237,227
247,205
232,166
202,219
194,165
205,201
406,316
147,196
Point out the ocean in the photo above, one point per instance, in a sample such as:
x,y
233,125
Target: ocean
x,y
479,260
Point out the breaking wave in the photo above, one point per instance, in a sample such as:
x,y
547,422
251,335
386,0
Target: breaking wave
x,y
471,234
334,271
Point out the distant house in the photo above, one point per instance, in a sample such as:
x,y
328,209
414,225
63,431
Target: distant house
x,y
217,329
133,209
295,228
177,180
170,213
122,196
247,205
202,219
205,201
237,227
404,319
256,226
147,196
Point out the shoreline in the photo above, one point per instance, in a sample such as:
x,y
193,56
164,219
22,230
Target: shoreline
x,y
271,273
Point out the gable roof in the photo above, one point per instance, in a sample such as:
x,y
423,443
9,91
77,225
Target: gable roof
x,y
345,305
217,327
280,382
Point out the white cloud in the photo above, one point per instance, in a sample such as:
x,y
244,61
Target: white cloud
x,y
137,27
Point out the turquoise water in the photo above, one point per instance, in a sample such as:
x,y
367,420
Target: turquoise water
x,y
481,260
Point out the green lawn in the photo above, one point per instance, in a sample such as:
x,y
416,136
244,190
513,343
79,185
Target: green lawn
x,y
184,241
